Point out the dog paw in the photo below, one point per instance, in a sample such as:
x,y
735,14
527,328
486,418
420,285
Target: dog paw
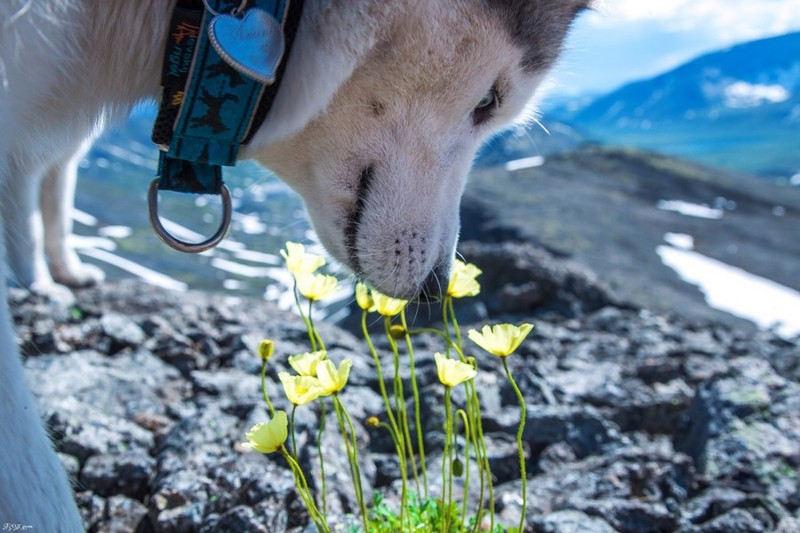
x,y
77,278
53,291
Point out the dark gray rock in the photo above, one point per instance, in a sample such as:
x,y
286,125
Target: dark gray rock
x,y
122,331
734,521
733,432
532,279
179,519
631,516
127,474
585,430
123,515
571,522
92,508
239,518
82,431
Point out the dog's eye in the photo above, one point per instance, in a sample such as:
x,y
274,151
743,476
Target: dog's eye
x,y
485,108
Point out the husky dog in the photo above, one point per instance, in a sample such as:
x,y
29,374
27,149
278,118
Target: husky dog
x,y
380,112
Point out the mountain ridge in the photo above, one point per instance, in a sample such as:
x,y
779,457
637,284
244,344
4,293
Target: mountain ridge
x,y
737,108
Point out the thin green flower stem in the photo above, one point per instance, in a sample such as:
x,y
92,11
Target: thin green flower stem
x,y
520,449
291,426
354,459
481,455
305,492
447,467
324,493
400,403
264,389
448,301
350,445
401,453
395,439
313,331
446,331
473,436
417,416
379,373
465,498
309,326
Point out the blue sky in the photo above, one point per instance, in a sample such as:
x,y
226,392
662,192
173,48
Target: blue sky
x,y
626,40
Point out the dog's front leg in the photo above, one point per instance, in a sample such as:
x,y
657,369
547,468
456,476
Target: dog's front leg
x,y
34,490
56,198
24,232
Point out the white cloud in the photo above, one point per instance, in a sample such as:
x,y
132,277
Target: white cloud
x,y
735,20
626,40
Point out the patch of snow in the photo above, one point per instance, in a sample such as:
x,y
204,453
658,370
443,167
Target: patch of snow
x,y
232,284
115,232
150,276
239,269
741,94
680,240
736,291
690,209
249,224
82,242
526,162
81,217
257,257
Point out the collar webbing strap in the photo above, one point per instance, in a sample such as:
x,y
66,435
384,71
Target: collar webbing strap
x,y
208,108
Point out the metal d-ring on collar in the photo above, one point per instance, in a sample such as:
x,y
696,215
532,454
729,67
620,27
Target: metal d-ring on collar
x,y
183,246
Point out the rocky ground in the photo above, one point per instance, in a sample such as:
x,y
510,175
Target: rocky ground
x,y
638,421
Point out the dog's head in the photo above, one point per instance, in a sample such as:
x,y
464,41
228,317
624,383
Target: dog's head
x,y
386,104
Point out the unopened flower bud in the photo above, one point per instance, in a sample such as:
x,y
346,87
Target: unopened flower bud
x,y
373,422
397,332
265,349
471,361
458,467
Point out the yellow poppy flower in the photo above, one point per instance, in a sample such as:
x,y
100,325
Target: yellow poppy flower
x,y
452,372
386,305
501,339
317,286
300,389
305,364
269,437
462,280
331,379
363,297
298,261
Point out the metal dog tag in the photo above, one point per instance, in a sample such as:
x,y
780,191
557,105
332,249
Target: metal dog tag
x,y
253,44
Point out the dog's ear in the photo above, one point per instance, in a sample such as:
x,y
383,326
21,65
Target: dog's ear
x,y
538,26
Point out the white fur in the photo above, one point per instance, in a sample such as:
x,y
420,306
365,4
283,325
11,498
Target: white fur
x,y
383,90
